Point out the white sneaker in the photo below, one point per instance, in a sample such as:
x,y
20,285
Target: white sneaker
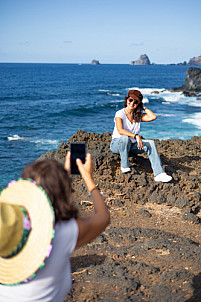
x,y
125,170
163,177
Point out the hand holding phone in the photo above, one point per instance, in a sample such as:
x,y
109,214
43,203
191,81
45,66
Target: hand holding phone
x,y
78,150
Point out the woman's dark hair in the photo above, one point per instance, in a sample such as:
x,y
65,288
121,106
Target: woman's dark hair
x,y
53,178
137,113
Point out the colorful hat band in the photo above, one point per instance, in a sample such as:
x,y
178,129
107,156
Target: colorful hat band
x,y
38,223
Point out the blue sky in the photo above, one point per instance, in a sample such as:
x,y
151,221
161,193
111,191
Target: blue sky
x,y
111,31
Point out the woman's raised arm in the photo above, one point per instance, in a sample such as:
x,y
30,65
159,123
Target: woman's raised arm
x,y
149,116
90,227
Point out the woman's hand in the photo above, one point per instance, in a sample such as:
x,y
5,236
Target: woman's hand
x,y
85,169
139,142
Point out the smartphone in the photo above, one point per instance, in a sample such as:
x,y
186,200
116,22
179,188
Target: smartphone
x,y
78,150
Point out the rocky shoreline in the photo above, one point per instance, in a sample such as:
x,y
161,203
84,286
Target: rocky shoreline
x,y
152,249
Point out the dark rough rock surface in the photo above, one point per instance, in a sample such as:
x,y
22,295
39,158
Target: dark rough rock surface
x,y
152,249
192,83
143,60
196,61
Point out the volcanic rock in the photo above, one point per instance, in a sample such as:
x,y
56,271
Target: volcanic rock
x,y
152,249
143,60
196,61
192,83
95,62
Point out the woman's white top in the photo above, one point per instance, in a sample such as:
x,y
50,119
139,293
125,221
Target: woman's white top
x,y
53,281
127,125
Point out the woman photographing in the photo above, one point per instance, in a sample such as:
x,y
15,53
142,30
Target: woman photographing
x,y
40,228
126,138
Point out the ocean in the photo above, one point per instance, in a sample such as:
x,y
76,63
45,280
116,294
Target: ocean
x,y
45,104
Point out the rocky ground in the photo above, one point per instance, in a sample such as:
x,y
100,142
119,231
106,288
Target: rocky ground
x,y
152,249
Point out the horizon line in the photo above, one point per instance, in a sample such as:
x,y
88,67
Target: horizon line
x,y
79,63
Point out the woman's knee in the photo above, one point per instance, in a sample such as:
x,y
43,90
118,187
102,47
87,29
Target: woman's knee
x,y
124,139
114,146
152,143
124,143
149,143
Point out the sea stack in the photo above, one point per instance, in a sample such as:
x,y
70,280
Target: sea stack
x,y
143,60
95,62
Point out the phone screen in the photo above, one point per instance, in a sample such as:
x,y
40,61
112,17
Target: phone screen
x,y
78,150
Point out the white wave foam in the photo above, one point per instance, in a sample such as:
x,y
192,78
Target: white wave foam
x,y
165,114
148,91
103,90
33,140
45,141
117,101
15,137
194,120
145,100
152,91
169,96
113,94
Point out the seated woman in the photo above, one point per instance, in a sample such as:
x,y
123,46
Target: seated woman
x,y
126,139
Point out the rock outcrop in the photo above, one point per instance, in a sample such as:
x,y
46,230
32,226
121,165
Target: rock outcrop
x,y
193,79
180,158
95,62
196,61
182,63
192,82
152,249
143,60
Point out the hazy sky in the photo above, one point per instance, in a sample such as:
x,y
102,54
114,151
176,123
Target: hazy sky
x,y
111,31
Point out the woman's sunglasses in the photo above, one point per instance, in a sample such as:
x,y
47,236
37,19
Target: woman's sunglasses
x,y
132,100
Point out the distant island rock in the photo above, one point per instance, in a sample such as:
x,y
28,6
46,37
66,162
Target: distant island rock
x,y
182,63
192,83
195,61
95,62
143,60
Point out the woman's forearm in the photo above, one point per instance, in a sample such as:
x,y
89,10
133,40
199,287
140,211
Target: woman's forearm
x,y
91,226
98,201
99,204
149,116
120,128
125,132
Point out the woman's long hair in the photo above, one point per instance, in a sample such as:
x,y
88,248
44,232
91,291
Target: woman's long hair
x,y
53,178
137,113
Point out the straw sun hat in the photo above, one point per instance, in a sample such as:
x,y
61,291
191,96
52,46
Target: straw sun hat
x,y
26,231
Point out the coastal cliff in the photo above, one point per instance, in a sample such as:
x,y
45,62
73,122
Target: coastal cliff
x,y
152,249
195,61
192,84
193,80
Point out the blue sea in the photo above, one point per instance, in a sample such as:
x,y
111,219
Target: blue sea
x,y
45,104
